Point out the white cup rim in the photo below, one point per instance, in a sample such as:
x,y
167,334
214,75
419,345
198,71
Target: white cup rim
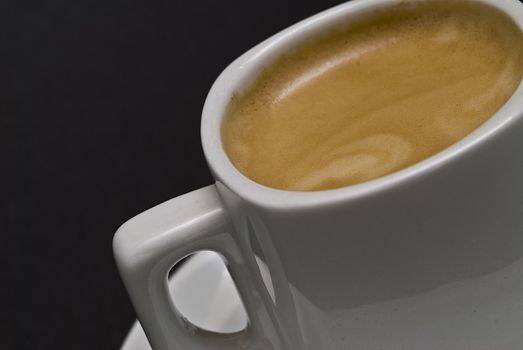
x,y
239,73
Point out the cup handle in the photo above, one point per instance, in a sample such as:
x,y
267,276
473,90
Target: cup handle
x,y
146,248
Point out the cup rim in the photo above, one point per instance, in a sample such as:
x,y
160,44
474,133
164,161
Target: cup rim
x,y
241,71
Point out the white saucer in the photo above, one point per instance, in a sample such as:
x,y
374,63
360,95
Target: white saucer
x,y
204,293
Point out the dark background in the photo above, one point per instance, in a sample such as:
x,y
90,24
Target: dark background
x,y
100,107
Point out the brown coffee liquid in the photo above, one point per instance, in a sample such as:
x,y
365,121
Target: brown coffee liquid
x,y
375,96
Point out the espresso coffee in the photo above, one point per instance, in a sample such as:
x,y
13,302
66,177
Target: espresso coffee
x,y
374,96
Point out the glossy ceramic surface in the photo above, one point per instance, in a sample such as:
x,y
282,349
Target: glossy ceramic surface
x,y
430,257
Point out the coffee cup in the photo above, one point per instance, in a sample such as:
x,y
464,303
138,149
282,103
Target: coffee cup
x,y
427,257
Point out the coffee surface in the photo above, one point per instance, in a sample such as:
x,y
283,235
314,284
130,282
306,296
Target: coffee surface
x,y
374,96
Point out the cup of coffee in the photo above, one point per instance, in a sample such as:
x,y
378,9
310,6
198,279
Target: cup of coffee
x,y
370,158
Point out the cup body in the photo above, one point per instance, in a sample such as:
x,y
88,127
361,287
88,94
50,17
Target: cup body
x,y
430,257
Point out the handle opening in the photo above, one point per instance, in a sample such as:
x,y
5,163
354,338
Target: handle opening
x,y
204,293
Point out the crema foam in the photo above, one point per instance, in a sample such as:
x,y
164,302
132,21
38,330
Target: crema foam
x,y
374,96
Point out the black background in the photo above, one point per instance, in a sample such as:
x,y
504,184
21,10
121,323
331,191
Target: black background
x,y
100,106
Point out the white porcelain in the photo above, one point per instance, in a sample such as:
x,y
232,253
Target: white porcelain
x,y
205,294
430,257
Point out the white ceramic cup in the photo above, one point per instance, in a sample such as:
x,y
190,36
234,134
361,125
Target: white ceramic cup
x,y
428,258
